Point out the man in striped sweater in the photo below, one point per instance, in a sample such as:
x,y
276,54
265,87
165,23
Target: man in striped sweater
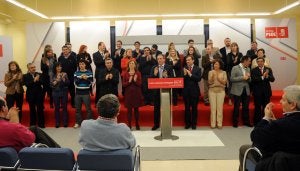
x,y
82,80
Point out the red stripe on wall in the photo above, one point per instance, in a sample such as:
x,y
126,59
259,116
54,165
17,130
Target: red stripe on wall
x,y
1,50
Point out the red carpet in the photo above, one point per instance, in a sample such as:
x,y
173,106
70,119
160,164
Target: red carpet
x,y
146,113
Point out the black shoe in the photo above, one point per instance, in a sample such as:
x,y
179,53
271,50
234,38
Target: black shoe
x,y
235,125
248,125
137,127
194,127
66,125
187,126
154,128
56,126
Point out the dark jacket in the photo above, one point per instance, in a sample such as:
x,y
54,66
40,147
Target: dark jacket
x,y
261,86
279,135
108,86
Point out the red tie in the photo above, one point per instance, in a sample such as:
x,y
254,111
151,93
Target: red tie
x,y
190,69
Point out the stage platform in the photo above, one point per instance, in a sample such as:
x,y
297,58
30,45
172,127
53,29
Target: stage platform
x,y
146,113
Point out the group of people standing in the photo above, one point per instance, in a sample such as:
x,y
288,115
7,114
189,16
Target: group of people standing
x,y
225,71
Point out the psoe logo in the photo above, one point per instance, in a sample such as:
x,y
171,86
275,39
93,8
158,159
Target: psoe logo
x,y
270,32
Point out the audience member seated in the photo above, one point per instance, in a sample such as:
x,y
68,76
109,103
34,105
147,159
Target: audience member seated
x,y
104,133
17,136
270,135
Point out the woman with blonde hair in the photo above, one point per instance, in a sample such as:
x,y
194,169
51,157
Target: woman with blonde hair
x,y
171,46
132,82
13,80
174,61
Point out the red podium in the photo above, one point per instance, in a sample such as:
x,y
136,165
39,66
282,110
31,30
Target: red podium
x,y
165,85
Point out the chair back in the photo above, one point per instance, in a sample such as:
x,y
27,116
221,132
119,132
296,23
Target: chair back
x,y
47,158
8,157
117,160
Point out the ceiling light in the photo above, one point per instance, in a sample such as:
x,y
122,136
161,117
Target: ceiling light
x,y
253,14
287,7
16,3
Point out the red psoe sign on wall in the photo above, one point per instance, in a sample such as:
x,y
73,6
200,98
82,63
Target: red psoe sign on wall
x,y
276,32
1,50
282,32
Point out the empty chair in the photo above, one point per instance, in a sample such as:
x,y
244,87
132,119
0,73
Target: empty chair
x,y
117,160
47,158
8,158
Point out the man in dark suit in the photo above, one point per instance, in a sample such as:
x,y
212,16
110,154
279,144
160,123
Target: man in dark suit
x,y
252,53
154,51
99,61
272,135
261,76
109,79
137,51
161,70
118,55
34,95
207,65
69,66
191,92
224,52
240,78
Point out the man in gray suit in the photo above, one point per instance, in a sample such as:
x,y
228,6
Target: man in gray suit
x,y
240,78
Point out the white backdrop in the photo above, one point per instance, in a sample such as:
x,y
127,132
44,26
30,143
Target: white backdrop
x,y
238,30
7,56
89,33
281,51
40,34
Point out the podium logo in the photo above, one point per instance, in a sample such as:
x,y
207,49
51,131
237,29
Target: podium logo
x,y
276,32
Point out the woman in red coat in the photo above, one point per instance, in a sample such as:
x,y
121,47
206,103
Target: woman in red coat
x,y
132,82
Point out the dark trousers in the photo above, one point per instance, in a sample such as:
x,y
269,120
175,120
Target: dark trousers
x,y
47,89
36,112
175,92
17,98
260,102
147,93
191,117
136,116
97,92
60,100
72,93
42,137
244,98
156,108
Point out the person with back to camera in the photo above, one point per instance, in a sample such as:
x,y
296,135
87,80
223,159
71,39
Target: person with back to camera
x,y
104,133
15,135
272,135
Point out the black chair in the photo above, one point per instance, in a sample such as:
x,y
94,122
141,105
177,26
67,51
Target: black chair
x,y
47,159
8,158
280,161
251,158
117,160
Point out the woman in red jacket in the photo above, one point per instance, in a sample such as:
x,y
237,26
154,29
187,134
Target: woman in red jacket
x,y
132,82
